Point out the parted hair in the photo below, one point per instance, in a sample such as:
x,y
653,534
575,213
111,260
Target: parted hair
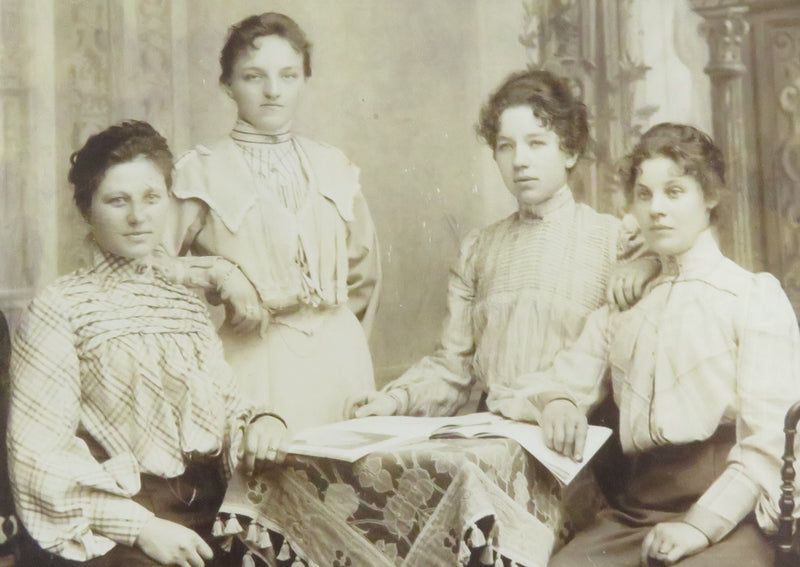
x,y
120,143
691,149
242,36
551,100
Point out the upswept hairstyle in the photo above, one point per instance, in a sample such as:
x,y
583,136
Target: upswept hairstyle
x,y
117,144
242,36
551,100
691,149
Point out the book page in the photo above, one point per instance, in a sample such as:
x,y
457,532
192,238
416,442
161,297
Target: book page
x,y
353,439
529,436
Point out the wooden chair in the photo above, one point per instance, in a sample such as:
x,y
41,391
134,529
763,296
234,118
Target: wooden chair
x,y
9,526
787,552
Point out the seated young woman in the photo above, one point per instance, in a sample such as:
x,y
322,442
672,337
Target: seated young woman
x,y
702,370
124,415
522,287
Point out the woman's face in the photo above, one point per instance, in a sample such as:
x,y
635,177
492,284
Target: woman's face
x,y
129,209
670,206
266,83
529,156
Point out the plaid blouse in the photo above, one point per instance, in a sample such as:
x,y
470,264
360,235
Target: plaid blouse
x,y
116,354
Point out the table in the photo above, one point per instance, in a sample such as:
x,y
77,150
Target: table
x,y
437,503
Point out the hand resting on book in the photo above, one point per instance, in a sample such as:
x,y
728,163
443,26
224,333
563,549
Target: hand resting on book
x,y
564,428
371,404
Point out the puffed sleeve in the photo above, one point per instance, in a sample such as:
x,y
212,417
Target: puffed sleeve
x,y
364,270
440,383
767,383
578,374
70,503
186,214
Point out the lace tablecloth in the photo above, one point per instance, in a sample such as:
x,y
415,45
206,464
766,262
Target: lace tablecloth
x,y
437,503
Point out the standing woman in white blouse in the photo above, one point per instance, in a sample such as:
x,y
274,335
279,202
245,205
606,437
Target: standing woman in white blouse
x,y
703,370
285,235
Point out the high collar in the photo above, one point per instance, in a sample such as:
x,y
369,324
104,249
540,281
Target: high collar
x,y
108,264
246,133
560,200
701,258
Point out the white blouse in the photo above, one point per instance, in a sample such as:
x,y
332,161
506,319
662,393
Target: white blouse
x,y
709,344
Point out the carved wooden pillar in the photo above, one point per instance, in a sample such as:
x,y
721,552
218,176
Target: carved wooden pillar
x,y
725,30
585,41
560,36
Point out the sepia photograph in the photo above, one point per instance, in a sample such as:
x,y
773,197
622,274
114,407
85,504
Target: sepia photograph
x,y
242,242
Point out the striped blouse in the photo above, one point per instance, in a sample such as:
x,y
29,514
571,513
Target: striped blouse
x,y
118,355
520,292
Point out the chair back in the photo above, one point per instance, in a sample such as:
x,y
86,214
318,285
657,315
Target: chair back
x,y
786,555
8,521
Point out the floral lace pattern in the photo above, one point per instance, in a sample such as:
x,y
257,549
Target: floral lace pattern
x,y
442,502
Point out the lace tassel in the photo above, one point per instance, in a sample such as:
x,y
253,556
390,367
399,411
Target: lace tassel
x,y
216,531
248,561
232,526
285,552
264,541
476,538
226,544
463,553
487,557
252,532
499,562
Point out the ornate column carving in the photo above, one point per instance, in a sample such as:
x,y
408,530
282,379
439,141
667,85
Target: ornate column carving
x,y
585,41
786,55
725,29
560,36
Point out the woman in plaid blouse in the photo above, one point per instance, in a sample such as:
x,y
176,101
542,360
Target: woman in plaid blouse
x,y
124,415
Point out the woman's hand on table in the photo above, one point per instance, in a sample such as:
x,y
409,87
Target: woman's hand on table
x,y
265,441
627,282
169,543
564,428
668,542
243,306
373,403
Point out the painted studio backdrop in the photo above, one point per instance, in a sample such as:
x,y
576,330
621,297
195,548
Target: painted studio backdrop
x,y
397,85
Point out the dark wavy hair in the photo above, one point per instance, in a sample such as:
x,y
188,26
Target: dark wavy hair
x,y
242,36
550,99
691,149
119,143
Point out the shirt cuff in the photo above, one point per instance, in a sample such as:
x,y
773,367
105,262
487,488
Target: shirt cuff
x,y
126,527
713,526
399,395
541,400
726,503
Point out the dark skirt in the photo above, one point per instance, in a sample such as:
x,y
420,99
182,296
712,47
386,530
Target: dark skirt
x,y
191,500
660,486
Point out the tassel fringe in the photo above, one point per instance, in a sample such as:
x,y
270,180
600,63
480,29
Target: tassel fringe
x,y
232,526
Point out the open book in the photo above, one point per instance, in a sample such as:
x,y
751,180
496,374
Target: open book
x,y
353,439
